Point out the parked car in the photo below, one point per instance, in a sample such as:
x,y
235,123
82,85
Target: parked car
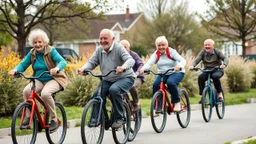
x,y
67,53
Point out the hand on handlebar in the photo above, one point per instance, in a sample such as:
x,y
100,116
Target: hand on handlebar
x,y
54,71
12,72
120,69
191,67
80,71
177,68
222,66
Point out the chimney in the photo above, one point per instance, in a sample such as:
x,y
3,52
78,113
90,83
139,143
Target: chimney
x,y
127,15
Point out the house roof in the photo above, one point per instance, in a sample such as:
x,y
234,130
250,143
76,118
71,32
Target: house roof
x,y
122,19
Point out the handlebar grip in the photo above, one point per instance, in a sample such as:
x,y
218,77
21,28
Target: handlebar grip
x,y
147,71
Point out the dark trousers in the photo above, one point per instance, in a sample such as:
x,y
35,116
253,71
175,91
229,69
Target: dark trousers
x,y
172,82
215,76
115,89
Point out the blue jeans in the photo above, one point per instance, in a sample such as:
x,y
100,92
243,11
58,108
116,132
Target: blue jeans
x,y
115,89
172,82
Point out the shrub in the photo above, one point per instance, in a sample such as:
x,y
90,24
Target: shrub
x,y
79,90
239,76
141,51
145,90
10,88
252,66
189,82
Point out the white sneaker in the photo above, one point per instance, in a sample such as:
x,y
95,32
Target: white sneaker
x,y
177,107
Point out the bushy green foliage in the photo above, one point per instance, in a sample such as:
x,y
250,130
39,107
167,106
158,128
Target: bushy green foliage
x,y
239,76
10,93
79,90
140,50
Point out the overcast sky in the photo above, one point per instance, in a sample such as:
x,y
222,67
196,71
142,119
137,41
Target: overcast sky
x,y
194,5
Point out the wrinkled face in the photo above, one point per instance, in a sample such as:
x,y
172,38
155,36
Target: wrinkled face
x,y
126,46
208,46
39,44
105,40
161,46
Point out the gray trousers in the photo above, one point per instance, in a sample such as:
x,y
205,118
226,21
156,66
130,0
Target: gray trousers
x,y
134,90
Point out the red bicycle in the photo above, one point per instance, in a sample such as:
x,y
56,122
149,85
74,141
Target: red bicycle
x,y
27,133
161,100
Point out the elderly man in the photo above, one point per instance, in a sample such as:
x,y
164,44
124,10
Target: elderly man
x,y
112,55
211,57
136,68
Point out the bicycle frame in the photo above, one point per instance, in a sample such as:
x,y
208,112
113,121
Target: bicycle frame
x,y
208,84
163,89
32,99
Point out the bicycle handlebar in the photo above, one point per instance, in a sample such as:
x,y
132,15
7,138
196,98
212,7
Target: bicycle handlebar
x,y
149,70
98,75
209,70
19,74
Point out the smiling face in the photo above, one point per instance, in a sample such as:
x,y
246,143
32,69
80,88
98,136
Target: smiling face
x,y
105,40
208,46
161,46
39,44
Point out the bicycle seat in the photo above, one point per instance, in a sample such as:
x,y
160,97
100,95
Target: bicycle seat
x,y
53,94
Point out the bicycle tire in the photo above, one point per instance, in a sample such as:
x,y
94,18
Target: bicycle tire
x,y
153,117
220,107
15,126
207,103
140,119
90,112
134,122
185,109
58,136
125,127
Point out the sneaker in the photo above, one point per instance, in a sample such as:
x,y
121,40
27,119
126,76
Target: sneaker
x,y
177,107
200,101
117,124
136,107
92,122
53,126
220,97
25,121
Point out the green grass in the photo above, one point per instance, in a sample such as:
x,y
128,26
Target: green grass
x,y
250,142
76,112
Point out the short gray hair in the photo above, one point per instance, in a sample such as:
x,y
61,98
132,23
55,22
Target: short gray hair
x,y
37,33
212,41
126,41
161,39
112,35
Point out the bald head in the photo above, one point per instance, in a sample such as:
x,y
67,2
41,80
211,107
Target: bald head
x,y
126,44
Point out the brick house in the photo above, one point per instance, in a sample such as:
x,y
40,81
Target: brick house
x,y
125,26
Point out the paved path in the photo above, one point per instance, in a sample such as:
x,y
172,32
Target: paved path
x,y
239,123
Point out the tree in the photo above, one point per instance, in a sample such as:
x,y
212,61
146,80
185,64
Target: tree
x,y
183,32
21,16
233,20
155,8
5,38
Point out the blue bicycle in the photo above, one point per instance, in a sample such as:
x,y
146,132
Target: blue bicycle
x,y
96,118
209,98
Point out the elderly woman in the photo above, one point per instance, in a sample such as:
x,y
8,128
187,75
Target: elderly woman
x,y
167,58
43,58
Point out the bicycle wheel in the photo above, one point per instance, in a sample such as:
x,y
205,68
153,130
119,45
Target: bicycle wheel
x,y
92,132
158,120
140,119
220,107
59,135
21,134
121,135
134,122
207,104
184,115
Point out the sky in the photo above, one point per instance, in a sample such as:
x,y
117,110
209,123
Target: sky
x,y
195,6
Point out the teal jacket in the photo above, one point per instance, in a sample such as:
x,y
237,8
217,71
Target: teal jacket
x,y
40,65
